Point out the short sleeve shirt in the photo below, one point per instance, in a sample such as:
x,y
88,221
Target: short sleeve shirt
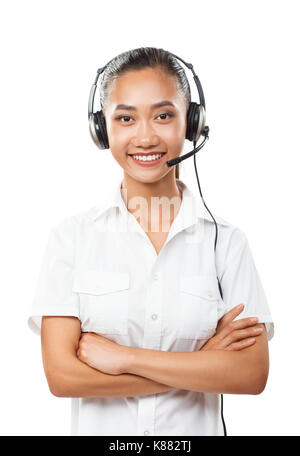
x,y
101,267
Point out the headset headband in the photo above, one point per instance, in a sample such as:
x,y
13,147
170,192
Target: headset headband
x,y
188,65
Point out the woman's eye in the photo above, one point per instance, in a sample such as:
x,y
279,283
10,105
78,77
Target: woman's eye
x,y
170,114
122,117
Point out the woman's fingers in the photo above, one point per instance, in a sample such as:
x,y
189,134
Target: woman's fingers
x,y
241,334
228,318
230,315
234,334
241,344
237,325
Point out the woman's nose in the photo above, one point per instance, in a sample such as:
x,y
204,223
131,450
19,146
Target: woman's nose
x,y
145,136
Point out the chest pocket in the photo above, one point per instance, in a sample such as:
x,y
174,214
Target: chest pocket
x,y
104,300
198,306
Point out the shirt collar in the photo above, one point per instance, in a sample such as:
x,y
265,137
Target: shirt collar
x,y
190,204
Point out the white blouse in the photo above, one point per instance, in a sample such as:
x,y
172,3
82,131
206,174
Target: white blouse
x,y
100,266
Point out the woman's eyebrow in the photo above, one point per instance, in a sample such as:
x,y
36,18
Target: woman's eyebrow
x,y
155,105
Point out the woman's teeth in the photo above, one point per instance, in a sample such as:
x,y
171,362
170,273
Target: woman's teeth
x,y
147,157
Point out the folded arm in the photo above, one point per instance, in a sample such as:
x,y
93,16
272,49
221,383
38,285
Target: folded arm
x,y
146,371
67,376
213,371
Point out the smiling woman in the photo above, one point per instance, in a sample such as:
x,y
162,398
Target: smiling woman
x,y
134,326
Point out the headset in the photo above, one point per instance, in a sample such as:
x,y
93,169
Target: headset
x,y
196,120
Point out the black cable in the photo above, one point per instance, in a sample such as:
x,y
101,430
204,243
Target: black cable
x,y
220,289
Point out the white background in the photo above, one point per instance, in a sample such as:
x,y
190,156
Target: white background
x,y
246,54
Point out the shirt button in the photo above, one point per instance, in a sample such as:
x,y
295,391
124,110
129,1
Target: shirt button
x,y
154,316
146,432
155,276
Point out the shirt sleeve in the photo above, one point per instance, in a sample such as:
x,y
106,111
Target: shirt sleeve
x,y
53,294
241,284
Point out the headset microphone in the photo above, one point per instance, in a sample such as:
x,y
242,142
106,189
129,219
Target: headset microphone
x,y
177,160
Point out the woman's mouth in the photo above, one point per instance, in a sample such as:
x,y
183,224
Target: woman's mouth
x,y
150,159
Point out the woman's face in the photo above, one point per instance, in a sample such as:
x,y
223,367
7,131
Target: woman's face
x,y
142,128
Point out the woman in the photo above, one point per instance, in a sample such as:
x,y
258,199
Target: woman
x,y
132,323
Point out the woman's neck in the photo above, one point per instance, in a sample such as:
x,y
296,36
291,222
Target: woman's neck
x,y
156,204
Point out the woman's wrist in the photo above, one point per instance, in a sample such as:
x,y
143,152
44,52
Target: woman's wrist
x,y
130,359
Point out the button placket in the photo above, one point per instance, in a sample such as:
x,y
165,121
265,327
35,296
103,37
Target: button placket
x,y
152,328
146,414
151,340
155,277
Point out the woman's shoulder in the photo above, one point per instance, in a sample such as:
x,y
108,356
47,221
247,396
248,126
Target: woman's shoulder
x,y
70,222
224,226
229,233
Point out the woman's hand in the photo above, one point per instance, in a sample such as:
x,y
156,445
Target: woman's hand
x,y
234,335
103,354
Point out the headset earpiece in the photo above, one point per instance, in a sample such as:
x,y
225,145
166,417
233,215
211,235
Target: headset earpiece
x,y
98,130
195,122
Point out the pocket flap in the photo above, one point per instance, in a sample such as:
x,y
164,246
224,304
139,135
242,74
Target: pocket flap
x,y
97,282
200,285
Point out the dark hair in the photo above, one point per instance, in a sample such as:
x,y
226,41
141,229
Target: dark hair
x,y
139,58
